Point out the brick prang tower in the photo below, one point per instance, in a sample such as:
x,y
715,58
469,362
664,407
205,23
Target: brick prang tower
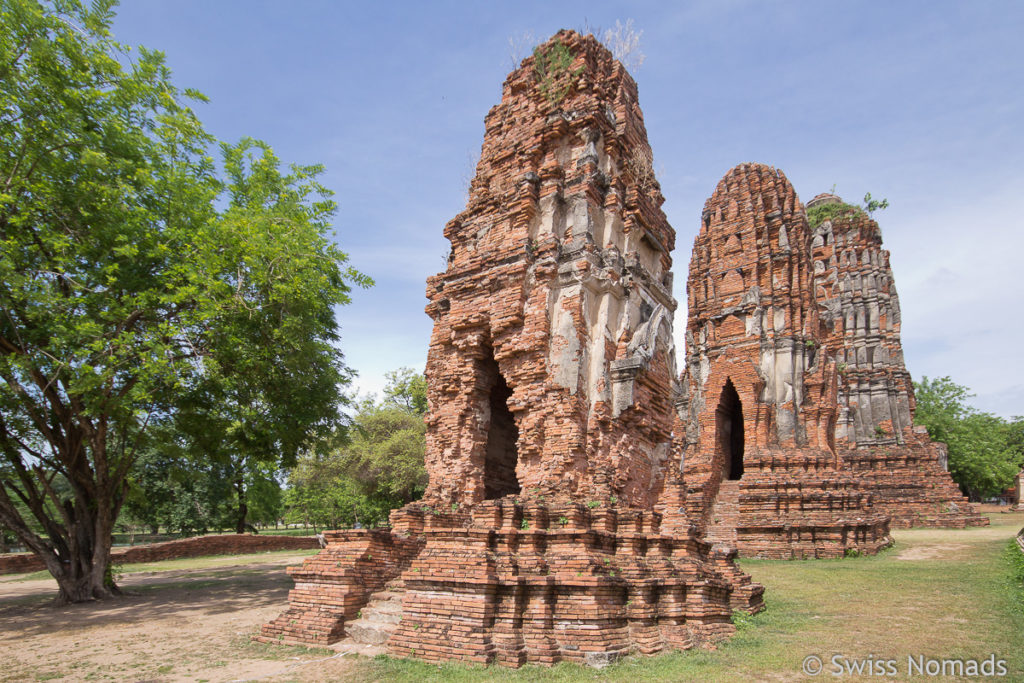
x,y
757,416
875,431
551,362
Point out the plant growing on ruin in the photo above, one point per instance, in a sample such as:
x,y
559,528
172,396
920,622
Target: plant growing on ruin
x,y
624,43
816,215
519,46
551,66
640,165
871,205
593,504
524,525
563,520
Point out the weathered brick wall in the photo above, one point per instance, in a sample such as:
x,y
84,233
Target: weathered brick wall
x,y
197,546
875,430
20,563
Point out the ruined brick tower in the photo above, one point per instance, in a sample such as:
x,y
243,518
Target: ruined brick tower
x,y
551,382
875,429
758,410
551,361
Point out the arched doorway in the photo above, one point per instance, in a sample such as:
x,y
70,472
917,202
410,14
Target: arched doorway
x,y
501,455
729,430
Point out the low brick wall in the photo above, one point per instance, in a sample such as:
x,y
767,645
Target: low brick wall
x,y
197,546
1020,540
20,563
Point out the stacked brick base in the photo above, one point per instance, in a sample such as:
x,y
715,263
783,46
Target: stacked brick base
x,y
908,484
512,583
792,507
331,587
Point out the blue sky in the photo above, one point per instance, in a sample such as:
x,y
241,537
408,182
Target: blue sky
x,y
918,102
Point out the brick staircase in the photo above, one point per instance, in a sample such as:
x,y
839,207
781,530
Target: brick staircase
x,y
378,620
725,514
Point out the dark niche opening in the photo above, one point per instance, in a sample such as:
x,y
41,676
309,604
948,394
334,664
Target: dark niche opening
x,y
729,427
501,456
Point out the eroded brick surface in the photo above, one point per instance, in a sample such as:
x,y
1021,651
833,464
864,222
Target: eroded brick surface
x,y
875,431
556,301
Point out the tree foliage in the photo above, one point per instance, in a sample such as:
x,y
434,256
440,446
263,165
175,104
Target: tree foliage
x,y
129,300
983,456
406,389
170,492
377,468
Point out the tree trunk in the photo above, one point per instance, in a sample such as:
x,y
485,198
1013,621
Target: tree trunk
x,y
243,508
83,576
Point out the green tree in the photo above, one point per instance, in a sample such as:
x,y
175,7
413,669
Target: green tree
x,y
375,468
128,299
872,205
982,458
176,493
408,389
1015,437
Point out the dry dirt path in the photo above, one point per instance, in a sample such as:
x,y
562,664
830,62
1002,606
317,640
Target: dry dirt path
x,y
177,625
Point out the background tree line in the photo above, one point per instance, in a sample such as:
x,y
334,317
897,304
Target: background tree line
x,y
985,451
369,466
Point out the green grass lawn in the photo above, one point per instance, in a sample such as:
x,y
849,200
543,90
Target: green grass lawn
x,y
939,594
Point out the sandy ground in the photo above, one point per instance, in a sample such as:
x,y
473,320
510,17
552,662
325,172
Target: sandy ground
x,y
182,625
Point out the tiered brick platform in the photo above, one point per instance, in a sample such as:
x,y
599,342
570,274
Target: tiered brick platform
x,y
907,482
513,583
875,431
794,508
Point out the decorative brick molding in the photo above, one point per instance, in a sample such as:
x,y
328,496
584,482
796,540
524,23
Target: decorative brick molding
x,y
524,582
